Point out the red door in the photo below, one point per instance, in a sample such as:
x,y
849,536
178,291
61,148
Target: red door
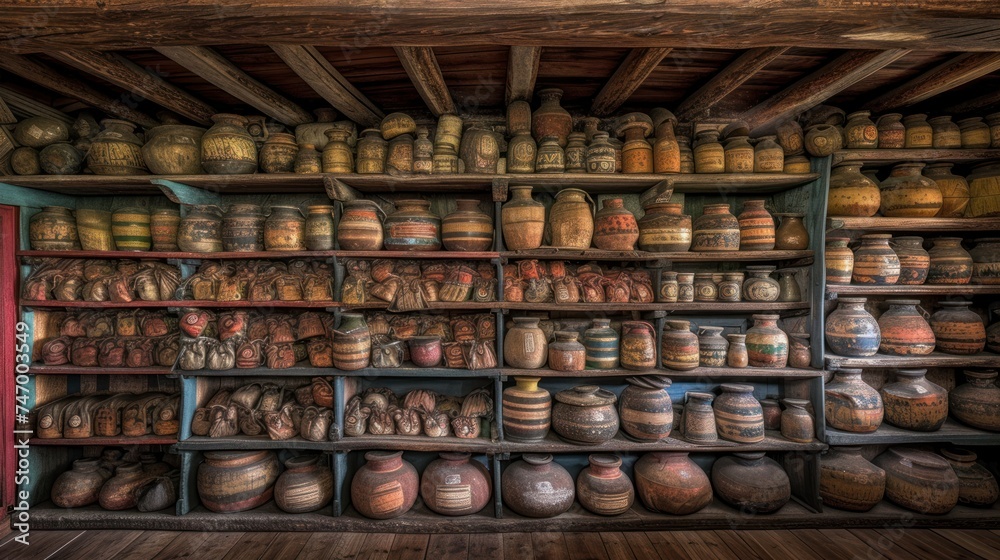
x,y
8,320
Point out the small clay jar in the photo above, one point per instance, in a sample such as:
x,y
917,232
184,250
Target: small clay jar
x,y
907,193
372,150
615,228
738,415
685,287
791,235
200,231
731,287
975,134
307,160
919,481
53,229
399,157
425,351
860,132
839,261
796,423
904,330
600,154
527,410
851,404
454,484
679,349
337,156
950,263
423,153
319,227
284,229
874,261
279,152
977,402
550,118
602,487
638,345
914,403
601,343
566,353
523,220
919,133
757,231
799,350
946,134
772,413
467,228
233,481
664,227
687,155
736,355
822,140
81,485
848,481
985,259
739,155
851,192
767,345
705,288
751,482
537,487
759,286
716,230
525,345
637,154
954,189
788,287
891,132
914,262
522,151
243,228
360,227
699,424
768,156
670,482
585,415
412,227
709,155
977,487
957,329
712,347
645,409
306,484
550,157
227,148
116,150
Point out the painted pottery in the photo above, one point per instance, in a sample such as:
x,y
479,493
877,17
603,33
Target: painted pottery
x,y
851,192
907,193
664,227
615,228
950,263
601,343
918,480
305,485
645,409
904,329
537,487
756,227
525,345
874,261
716,230
454,484
848,481
957,329
751,482
232,481
767,345
914,403
851,404
412,227
977,402
602,487
385,486
670,482
527,410
585,415
738,415
977,487
914,262
227,148
679,349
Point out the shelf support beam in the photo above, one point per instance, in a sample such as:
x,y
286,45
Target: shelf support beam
x,y
225,75
727,81
11,195
179,193
959,70
634,70
522,70
422,67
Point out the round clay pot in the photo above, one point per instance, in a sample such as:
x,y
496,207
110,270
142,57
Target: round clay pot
x,y
767,345
712,347
284,229
874,261
950,263
768,157
679,349
227,148
977,403
479,150
792,234
839,261
523,220
709,155
243,228
372,150
851,404
954,189
796,423
904,330
759,286
799,350
698,421
119,491
756,227
914,403
94,230
571,219
736,355
751,482
637,154
306,485
984,191
522,151
975,134
914,262
851,330
738,415
550,119
566,353
38,132
53,229
81,485
601,344
384,487
985,260
352,343
615,228
851,192
919,481
670,482
537,487
549,158
600,154
200,231
822,140
467,228
360,227
130,228
525,345
848,481
527,410
116,150
907,193
977,487
946,134
891,132
231,481
278,153
397,124
585,415
716,230
957,329
664,227
919,133
61,158
602,488
425,351
455,485
645,408
772,413
319,227
860,132
638,345
173,149
412,227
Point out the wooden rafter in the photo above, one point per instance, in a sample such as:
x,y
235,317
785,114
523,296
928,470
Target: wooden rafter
x,y
128,75
222,73
837,75
959,70
522,69
52,79
425,73
728,80
331,85
986,101
638,65
24,106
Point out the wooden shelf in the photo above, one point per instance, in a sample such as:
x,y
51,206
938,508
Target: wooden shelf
x,y
551,253
418,443
204,443
879,223
935,359
952,431
553,444
197,304
612,308
103,441
701,372
922,289
303,369
883,157
423,255
230,255
40,369
431,306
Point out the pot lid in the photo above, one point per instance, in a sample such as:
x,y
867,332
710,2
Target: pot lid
x,y
586,395
605,460
537,458
955,454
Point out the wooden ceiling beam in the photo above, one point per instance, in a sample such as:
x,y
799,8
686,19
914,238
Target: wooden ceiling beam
x,y
52,79
128,75
522,70
984,102
957,71
223,74
331,85
836,76
634,70
728,80
25,106
425,73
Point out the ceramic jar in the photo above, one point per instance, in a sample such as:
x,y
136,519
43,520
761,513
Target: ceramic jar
x,y
319,227
372,150
277,154
790,137
385,486
822,140
799,350
173,149
906,193
119,491
394,125
705,288
791,235
950,263
645,409
232,481
709,155
669,288
116,150
337,156
537,487
53,229
731,287
851,192
448,133
454,484
467,228
891,132
550,158
914,262
975,133
521,153
919,133
571,219
200,231
602,487
914,403
716,230
525,345
412,227
985,259
527,410
284,229
738,415
670,482
977,486
601,344
851,404
518,117
585,415
904,329
946,134
352,343
306,485
736,355
638,345
954,189
679,349
615,228
307,159
687,154
523,220
664,228
957,329
38,132
24,161
768,157
977,403
738,154
759,286
851,330
984,191
550,119
227,148
848,481
756,227
839,261
399,155
712,348
130,228
566,353
361,226
81,485
751,482
860,132
637,154
796,423
993,120
243,228
666,149
796,165
423,153
93,227
697,422
874,261
600,154
480,150
425,351
772,413
918,480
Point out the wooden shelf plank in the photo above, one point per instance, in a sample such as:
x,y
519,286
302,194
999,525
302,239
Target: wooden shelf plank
x,y
935,359
204,443
888,157
880,223
197,304
303,369
700,372
612,308
432,306
458,255
552,253
102,441
228,255
553,444
418,443
41,369
923,289
952,431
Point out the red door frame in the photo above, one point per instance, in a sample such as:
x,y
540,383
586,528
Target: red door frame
x,y
9,275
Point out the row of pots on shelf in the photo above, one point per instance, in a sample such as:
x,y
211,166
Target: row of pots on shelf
x,y
119,281
122,338
407,285
378,411
119,481
882,259
258,408
109,415
755,284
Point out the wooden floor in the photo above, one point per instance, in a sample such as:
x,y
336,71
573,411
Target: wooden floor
x,y
842,544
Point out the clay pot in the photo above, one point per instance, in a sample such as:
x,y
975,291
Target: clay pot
x,y
796,165
851,404
738,415
874,261
284,229
891,132
822,140
698,419
53,229
397,124
24,161
277,154
768,156
448,134
669,287
601,345
307,159
767,345
848,481
455,485
306,485
38,132
372,150
200,231
958,330
385,486
679,349
521,153
566,353
523,220
61,158
914,403
550,119
918,480
602,488
851,192
518,117
790,137
709,155
600,154
716,230
954,189
81,485
576,153
705,288
860,132
751,482
772,413
130,228
919,133
977,486
904,329
839,261
731,286
467,228
585,415
243,228
173,149
525,345
756,227
119,492
664,227
712,348
425,351
537,487
319,227
638,345
759,286
984,191
993,120
950,263
116,150
352,343
527,410
946,134
738,155
550,158
315,132
164,227
637,154
615,228
645,408
670,482
907,193
977,403
337,156
914,262
94,230
791,235
361,226
399,157
480,150
985,259
227,148
799,350
412,227
736,355
975,134
571,219
666,149
231,481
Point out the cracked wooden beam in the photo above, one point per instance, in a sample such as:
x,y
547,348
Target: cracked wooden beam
x,y
638,65
422,67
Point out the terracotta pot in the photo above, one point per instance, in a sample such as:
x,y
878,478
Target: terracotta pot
x,y
637,154
425,351
571,219
799,350
839,261
277,154
768,156
712,347
360,227
352,343
851,192
958,330
946,134
874,261
759,286
119,491
200,231
527,410
227,148
307,160
319,227
576,153
81,485
480,150
455,485
950,263
975,134
914,403
518,117
602,488
788,287
919,133
698,420
977,486
716,230
954,189
977,403
907,193
993,120
738,155
522,151
904,329
687,154
550,158
756,227
24,161
523,220
666,149
284,229
669,287
984,191
664,228
738,415
731,287
525,345
615,228
38,132
399,157
585,415
736,355
645,408
601,344
550,119
985,259
94,230
860,132
385,486
164,227
891,132
231,481
130,228
467,228
173,149
306,485
61,158
372,150
751,482
848,481
670,482
790,137
53,229
243,228
767,345
709,155
537,487
914,262
679,349
412,227
791,235
822,140
337,156
116,150
638,345
851,404
772,413
566,353
448,133
919,481
705,288
600,154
